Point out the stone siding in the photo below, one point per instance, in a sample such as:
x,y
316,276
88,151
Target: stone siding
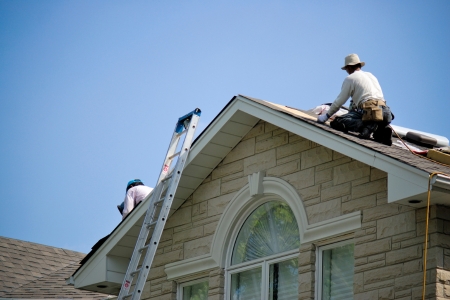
x,y
388,246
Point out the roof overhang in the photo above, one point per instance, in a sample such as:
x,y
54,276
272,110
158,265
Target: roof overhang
x,y
107,265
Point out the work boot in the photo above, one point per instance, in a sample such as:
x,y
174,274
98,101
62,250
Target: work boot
x,y
383,135
365,133
367,129
338,126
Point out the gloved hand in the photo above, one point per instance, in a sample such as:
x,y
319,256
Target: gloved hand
x,y
322,118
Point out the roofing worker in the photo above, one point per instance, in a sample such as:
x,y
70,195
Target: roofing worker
x,y
136,192
368,112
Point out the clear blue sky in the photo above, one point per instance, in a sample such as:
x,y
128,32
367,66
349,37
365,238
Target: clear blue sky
x,y
90,90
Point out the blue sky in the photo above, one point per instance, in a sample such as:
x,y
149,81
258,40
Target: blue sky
x,y
90,90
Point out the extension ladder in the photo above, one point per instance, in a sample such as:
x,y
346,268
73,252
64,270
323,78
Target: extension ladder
x,y
159,208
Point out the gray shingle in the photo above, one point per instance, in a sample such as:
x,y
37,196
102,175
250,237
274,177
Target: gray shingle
x,y
29,270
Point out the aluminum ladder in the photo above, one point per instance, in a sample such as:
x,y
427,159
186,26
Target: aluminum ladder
x,y
159,206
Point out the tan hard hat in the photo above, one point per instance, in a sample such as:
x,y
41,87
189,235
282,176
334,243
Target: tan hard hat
x,y
352,59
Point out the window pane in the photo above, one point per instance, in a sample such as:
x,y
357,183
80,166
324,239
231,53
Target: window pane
x,y
337,273
197,291
283,280
270,229
246,285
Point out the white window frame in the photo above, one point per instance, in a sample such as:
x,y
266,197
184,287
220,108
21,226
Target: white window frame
x,y
188,283
264,262
319,263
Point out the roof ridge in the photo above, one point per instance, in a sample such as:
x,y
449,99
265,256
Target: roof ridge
x,y
54,247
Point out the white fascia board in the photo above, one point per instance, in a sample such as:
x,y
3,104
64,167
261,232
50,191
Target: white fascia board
x,y
400,188
336,143
94,274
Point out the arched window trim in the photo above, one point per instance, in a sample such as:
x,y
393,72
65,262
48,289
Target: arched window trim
x,y
260,190
243,204
238,225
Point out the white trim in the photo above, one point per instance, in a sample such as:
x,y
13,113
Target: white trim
x,y
319,264
189,266
275,257
264,265
240,204
332,227
255,183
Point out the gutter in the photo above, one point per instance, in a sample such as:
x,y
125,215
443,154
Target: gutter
x,y
441,181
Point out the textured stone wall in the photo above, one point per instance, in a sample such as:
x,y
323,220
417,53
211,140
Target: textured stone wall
x,y
389,253
388,247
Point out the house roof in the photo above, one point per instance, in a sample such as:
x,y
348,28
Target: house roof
x,y
29,270
407,173
397,153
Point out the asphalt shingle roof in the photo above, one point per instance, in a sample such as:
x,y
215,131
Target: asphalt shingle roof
x,y
394,152
29,270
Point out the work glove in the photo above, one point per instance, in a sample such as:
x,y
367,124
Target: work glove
x,y
322,118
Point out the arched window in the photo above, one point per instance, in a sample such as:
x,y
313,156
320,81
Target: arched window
x,y
264,258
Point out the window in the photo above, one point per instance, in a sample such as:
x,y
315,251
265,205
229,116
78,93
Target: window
x,y
197,290
336,265
264,259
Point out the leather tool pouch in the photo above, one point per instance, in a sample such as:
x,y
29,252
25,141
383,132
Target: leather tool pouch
x,y
373,111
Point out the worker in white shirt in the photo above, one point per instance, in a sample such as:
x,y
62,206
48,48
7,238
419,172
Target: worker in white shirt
x,y
136,192
368,112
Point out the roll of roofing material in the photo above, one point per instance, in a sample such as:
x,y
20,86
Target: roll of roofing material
x,y
442,141
421,139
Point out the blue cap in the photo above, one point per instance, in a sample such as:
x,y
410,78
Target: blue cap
x,y
133,181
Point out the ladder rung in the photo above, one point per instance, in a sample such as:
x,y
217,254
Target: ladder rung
x,y
167,178
127,296
181,133
151,224
174,155
135,272
143,248
159,201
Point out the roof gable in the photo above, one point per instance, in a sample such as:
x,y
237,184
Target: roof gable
x,y
407,175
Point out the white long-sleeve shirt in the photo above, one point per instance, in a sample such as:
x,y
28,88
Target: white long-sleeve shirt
x,y
134,195
361,86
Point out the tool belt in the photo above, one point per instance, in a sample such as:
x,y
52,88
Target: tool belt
x,y
373,110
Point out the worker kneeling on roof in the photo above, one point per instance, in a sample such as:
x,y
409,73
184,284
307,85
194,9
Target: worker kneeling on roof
x,y
368,112
136,192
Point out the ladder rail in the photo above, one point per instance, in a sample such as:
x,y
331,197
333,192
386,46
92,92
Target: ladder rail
x,y
156,216
163,216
